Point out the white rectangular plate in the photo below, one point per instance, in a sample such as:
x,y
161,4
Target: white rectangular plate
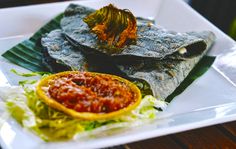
x,y
209,100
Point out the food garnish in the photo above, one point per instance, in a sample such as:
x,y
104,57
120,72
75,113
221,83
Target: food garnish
x,y
88,95
115,26
51,124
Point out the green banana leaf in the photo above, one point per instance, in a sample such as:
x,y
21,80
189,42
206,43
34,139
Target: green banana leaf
x,y
28,55
197,71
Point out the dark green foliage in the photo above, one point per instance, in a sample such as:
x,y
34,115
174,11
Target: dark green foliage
x,y
28,53
197,71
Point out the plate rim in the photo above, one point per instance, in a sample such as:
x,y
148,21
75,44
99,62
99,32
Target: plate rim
x,y
151,134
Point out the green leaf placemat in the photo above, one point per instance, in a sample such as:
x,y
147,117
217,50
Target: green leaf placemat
x,y
28,53
204,64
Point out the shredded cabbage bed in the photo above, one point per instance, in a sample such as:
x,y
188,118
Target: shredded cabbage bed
x,y
51,125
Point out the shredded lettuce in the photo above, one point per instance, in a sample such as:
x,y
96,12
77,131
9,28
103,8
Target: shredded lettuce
x,y
25,106
29,74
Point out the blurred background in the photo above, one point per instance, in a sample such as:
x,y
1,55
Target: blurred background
x,y
222,13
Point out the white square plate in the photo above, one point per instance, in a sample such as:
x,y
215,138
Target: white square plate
x,y
209,100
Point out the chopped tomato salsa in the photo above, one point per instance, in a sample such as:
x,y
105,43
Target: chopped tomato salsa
x,y
87,92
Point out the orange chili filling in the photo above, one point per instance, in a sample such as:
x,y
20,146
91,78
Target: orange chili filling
x,y
86,92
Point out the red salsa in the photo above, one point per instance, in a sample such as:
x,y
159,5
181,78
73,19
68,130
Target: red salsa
x,y
87,92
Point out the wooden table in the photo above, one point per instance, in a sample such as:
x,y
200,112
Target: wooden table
x,y
218,137
221,136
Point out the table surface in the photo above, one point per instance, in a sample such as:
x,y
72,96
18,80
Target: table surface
x,y
217,136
